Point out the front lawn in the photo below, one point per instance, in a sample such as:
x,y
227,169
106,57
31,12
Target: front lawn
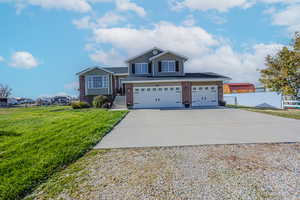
x,y
292,113
36,142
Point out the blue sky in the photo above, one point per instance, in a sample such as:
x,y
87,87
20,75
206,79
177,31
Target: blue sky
x,y
44,43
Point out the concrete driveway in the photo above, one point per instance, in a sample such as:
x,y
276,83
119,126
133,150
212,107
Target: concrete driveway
x,y
146,128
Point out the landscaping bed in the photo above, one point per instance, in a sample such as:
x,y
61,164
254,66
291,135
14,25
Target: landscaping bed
x,y
36,142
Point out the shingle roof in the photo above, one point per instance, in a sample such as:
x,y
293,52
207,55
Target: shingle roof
x,y
117,70
207,75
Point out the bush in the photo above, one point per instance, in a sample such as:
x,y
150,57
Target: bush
x,y
99,101
79,105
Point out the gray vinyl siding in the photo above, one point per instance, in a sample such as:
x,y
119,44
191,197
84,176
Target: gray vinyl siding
x,y
168,57
142,59
101,91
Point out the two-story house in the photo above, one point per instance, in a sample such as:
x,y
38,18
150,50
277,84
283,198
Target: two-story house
x,y
156,79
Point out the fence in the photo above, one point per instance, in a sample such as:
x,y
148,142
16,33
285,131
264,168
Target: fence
x,y
290,104
259,99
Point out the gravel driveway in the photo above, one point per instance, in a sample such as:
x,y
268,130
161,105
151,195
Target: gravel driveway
x,y
148,128
211,172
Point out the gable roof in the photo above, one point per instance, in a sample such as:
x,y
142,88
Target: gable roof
x,y
128,60
93,68
111,70
170,52
117,70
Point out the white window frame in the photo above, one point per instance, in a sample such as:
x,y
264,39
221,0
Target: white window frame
x,y
141,65
90,81
168,66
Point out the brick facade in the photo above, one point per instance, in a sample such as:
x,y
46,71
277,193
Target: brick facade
x,y
186,92
82,88
129,94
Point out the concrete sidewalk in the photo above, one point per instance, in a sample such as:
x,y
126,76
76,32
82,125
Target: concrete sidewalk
x,y
148,128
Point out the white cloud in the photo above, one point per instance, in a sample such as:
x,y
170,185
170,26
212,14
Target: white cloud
x,y
107,20
189,21
82,6
240,66
72,5
206,52
111,57
164,34
84,23
203,5
23,59
126,5
1,59
289,17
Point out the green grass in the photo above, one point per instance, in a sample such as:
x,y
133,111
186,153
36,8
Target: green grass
x,y
292,113
36,142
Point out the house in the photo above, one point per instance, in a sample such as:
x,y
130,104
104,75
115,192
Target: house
x,y
101,81
155,78
230,88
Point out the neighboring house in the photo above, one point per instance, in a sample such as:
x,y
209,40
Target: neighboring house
x,y
230,88
156,79
101,81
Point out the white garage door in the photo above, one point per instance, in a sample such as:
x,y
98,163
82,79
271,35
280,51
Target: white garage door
x,y
157,97
205,95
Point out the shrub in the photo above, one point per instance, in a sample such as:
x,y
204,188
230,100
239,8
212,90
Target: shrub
x,y
79,105
99,101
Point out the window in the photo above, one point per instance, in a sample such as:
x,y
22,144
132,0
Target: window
x,y
168,66
166,89
148,89
96,82
141,68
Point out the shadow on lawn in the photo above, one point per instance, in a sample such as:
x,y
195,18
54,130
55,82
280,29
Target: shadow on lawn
x,y
9,133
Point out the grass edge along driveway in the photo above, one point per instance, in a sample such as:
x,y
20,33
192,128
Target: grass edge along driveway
x,y
290,113
36,142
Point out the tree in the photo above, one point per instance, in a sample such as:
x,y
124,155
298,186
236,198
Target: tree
x,y
5,91
283,70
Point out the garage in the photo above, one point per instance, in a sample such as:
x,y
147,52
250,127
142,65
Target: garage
x,y
204,95
157,97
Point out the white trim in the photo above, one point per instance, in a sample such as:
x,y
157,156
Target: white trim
x,y
130,59
165,52
91,69
121,74
178,80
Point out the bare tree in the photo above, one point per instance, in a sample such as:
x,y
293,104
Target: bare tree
x,y
5,91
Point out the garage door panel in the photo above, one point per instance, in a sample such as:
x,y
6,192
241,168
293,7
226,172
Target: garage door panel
x,y
204,95
157,97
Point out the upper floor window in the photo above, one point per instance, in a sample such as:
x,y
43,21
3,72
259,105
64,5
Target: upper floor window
x,y
97,82
141,68
168,65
